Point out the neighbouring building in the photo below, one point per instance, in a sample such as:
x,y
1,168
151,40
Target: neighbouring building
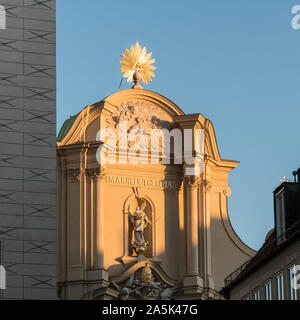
x,y
28,148
144,231
274,272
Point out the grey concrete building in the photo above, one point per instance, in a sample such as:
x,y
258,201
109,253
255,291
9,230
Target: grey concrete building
x,y
27,149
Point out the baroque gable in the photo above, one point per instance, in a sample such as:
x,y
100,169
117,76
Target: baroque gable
x,y
140,109
131,230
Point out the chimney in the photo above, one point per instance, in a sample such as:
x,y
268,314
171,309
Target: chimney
x,y
296,175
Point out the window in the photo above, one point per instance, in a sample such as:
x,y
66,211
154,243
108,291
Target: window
x,y
280,286
293,282
268,290
256,295
280,216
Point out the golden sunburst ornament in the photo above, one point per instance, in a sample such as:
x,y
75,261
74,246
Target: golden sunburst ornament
x,y
137,65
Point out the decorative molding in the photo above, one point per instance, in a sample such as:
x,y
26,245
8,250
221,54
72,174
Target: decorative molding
x,y
140,114
75,173
102,173
227,192
107,107
99,172
145,285
92,172
207,184
192,181
132,270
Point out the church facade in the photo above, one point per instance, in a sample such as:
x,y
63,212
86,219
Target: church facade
x,y
142,229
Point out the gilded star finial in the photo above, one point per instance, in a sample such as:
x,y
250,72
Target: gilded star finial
x,y
137,65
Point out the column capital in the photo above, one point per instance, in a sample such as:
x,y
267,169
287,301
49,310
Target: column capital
x,y
75,173
192,181
98,172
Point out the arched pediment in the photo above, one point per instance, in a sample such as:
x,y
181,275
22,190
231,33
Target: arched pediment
x,y
164,104
140,108
87,123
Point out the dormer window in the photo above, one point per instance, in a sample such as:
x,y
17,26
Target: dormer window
x,y
280,216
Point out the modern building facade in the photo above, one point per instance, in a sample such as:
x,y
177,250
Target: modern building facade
x,y
27,148
145,230
270,274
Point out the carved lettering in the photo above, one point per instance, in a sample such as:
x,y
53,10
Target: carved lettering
x,y
143,182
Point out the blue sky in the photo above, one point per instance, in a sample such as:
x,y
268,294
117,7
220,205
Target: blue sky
x,y
235,61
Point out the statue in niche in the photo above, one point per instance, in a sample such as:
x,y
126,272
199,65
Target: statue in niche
x,y
139,221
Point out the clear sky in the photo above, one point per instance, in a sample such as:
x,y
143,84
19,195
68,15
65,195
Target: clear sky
x,y
235,61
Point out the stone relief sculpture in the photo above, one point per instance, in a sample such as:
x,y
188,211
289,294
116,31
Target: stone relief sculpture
x,y
137,115
139,221
145,286
140,114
